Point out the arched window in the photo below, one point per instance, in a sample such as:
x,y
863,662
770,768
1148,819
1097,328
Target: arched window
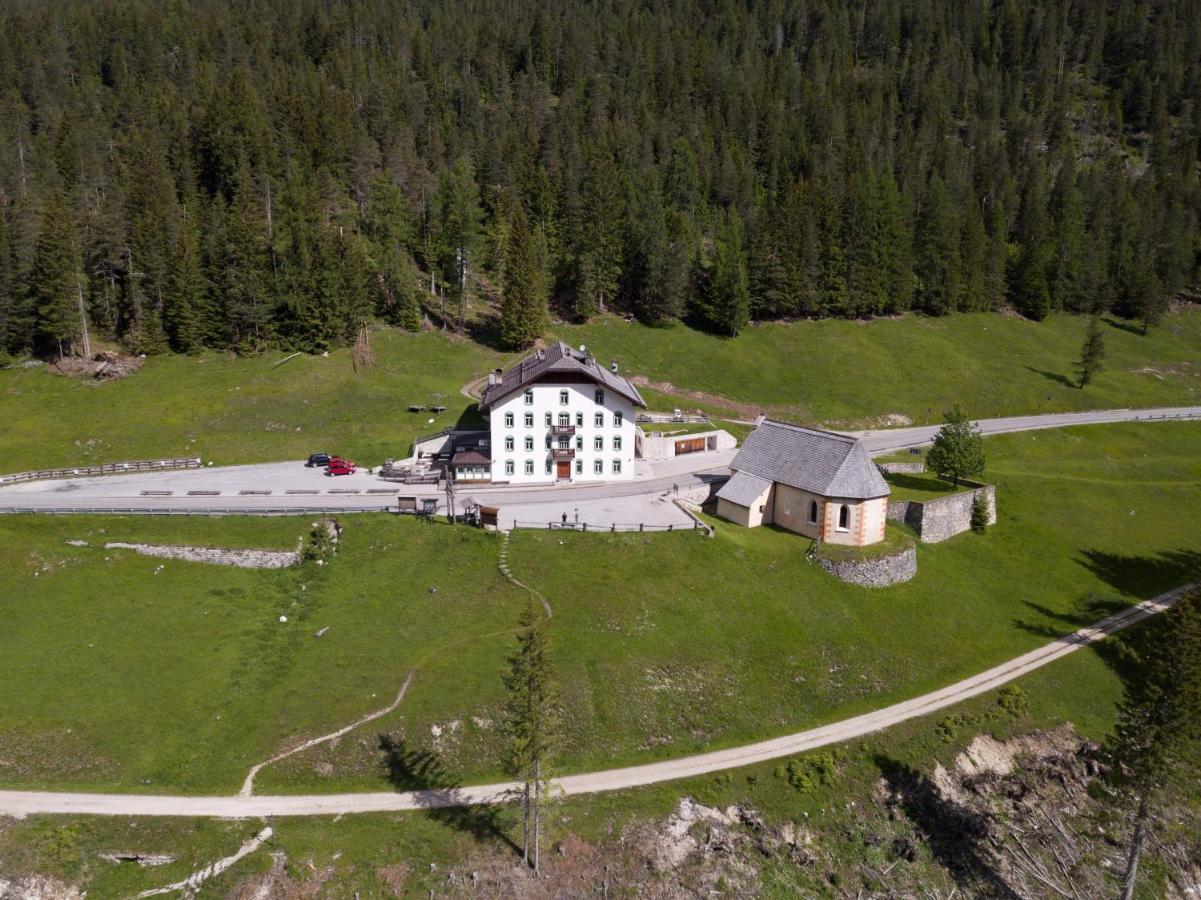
x,y
812,512
844,517
563,398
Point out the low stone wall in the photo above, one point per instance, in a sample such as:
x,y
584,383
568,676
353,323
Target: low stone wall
x,y
699,494
895,468
875,572
221,556
944,517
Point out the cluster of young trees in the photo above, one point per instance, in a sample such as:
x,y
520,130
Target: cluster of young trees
x,y
232,175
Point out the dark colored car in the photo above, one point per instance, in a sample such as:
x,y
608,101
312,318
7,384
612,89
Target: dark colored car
x,y
339,466
318,460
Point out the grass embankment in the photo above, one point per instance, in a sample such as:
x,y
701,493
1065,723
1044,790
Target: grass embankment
x,y
363,853
920,486
841,373
142,674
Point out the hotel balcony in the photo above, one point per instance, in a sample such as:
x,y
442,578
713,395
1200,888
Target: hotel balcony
x,y
562,430
561,453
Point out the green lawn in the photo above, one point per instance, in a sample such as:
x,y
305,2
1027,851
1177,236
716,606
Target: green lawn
x,y
125,672
919,486
233,410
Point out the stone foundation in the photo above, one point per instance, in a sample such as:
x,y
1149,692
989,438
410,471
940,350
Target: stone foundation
x,y
875,571
895,468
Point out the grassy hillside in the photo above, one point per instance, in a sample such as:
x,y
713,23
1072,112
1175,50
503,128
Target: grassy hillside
x,y
181,675
248,410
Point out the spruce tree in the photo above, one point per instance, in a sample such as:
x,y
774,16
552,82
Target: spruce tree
x,y
531,723
723,294
187,301
937,263
523,306
1092,353
1155,748
55,281
598,244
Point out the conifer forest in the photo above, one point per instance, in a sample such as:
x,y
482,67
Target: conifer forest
x,y
279,173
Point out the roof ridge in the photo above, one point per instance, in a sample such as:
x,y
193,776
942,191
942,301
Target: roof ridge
x,y
836,434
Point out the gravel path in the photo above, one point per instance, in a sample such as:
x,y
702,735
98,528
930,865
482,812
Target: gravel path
x,y
21,803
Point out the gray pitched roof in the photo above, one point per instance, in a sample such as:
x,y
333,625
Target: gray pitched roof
x,y
558,358
821,462
743,488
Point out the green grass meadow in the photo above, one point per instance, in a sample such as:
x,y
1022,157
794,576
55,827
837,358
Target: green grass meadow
x,y
230,410
131,673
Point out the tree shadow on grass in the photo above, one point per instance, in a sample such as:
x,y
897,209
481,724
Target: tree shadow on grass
x,y
1143,575
1124,326
1054,376
422,772
957,837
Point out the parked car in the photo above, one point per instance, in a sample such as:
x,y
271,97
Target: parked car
x,y
339,466
318,460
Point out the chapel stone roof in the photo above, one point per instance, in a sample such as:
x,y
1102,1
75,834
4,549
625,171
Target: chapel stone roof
x,y
822,462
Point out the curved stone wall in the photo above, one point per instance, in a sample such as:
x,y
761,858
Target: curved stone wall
x,y
875,571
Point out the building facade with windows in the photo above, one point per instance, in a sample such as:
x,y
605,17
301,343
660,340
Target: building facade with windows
x,y
559,416
820,484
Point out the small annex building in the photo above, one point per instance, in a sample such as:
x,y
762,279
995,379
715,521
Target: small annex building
x,y
820,484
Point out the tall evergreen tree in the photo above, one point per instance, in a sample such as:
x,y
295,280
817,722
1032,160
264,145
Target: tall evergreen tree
x,y
1092,352
723,295
523,306
937,263
598,243
1156,744
531,722
55,282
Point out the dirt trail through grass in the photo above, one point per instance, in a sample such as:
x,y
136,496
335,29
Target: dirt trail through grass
x,y
248,784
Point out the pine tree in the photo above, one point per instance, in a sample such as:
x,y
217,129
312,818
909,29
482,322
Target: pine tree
x,y
458,230
531,722
598,245
523,307
937,263
187,296
723,295
1092,353
1156,744
56,280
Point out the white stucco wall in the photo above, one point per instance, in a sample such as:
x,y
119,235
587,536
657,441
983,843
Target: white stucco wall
x,y
664,447
865,523
790,509
580,399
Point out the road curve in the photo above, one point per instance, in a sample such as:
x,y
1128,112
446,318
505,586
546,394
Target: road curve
x,y
21,803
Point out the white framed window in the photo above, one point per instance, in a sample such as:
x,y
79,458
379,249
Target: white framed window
x,y
548,442
812,512
600,397
579,420
548,420
529,420
579,442
529,467
617,442
599,420
509,444
508,420
529,442
617,419
529,397
579,467
564,397
548,467
617,467
598,443
509,465
564,419
844,517
598,467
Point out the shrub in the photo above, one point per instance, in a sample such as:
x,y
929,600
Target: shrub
x,y
979,513
809,773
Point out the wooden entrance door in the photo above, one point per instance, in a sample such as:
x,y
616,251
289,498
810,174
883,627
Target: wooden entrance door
x,y
690,445
564,470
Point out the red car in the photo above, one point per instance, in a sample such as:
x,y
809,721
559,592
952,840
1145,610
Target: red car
x,y
339,466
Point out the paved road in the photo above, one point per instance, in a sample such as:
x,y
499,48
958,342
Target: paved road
x,y
294,488
901,438
21,803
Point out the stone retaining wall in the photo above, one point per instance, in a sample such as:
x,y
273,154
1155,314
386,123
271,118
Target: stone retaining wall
x,y
699,494
243,559
877,571
895,468
944,517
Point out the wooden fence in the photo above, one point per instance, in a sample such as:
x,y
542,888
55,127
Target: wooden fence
x,y
118,468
